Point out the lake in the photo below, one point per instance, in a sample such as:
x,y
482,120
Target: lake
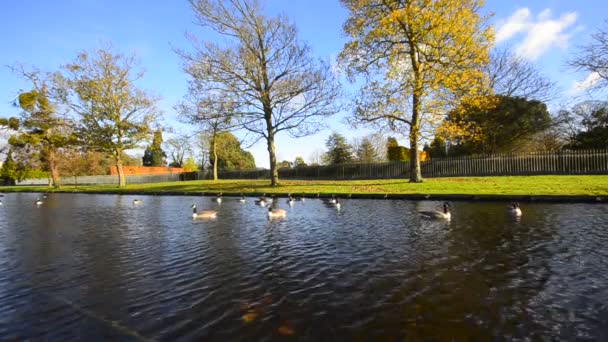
x,y
97,267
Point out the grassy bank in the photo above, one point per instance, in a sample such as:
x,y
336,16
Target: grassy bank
x,y
505,186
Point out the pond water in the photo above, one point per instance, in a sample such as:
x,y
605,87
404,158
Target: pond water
x,y
96,267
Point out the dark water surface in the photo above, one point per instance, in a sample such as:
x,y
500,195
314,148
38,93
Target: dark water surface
x,y
96,267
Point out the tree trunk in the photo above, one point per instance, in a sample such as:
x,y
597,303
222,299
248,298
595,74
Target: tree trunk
x,y
121,173
415,172
274,172
214,148
54,172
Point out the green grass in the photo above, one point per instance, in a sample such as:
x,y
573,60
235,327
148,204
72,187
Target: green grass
x,y
515,186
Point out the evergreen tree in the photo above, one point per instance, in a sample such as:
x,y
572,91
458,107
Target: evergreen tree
x,y
366,152
338,150
154,154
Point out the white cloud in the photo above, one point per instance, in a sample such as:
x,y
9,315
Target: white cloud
x,y
588,82
516,23
541,33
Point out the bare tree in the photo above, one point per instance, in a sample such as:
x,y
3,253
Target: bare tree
x,y
178,147
275,82
593,59
513,76
213,112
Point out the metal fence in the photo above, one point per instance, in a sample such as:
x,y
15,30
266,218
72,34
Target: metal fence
x,y
108,180
588,162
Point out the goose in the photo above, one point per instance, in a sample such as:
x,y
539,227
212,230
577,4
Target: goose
x,y
1,202
438,215
262,201
137,201
38,201
331,200
203,214
290,200
218,198
337,204
514,209
242,199
276,213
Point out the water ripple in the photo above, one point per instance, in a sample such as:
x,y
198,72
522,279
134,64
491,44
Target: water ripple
x,y
97,267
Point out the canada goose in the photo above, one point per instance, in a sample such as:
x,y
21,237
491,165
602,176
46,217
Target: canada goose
x,y
45,196
38,201
203,214
276,213
137,201
514,209
438,215
290,200
337,204
242,199
218,198
262,201
331,200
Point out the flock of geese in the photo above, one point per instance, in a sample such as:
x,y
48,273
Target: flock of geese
x,y
443,214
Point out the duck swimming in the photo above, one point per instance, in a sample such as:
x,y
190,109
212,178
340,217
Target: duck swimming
x,y
514,209
437,214
203,214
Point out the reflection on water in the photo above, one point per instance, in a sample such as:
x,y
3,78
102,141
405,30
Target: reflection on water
x,y
97,267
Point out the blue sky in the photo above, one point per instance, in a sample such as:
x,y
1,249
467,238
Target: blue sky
x,y
48,34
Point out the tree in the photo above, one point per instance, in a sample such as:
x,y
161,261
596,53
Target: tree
x,y
154,154
513,76
275,82
285,164
366,152
593,59
178,148
502,128
316,157
417,58
43,128
230,155
437,148
590,125
9,171
213,112
394,152
299,162
190,165
338,150
114,114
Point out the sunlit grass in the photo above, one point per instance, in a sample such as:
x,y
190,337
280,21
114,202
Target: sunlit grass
x,y
517,185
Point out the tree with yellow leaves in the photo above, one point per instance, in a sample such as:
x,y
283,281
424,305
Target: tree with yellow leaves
x,y
418,58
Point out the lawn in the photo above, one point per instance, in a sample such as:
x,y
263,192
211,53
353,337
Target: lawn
x,y
507,186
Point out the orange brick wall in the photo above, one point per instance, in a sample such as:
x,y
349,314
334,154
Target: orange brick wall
x,y
146,170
